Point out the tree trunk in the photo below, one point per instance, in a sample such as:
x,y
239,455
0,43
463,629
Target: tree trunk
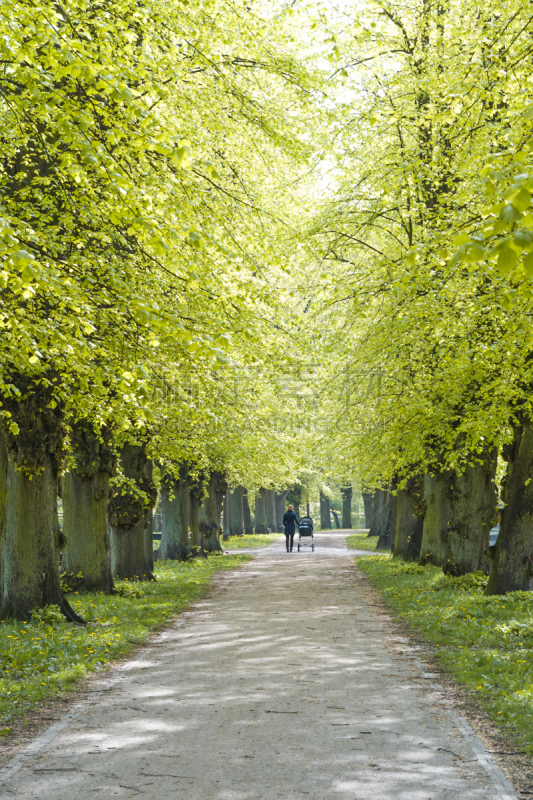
x,y
30,573
271,510
225,533
325,513
346,492
438,500
175,508
393,520
149,540
127,514
281,498
85,496
3,502
260,511
379,512
512,567
409,520
221,491
385,534
474,503
336,518
210,514
235,512
85,529
247,514
31,563
149,525
194,522
459,512
368,500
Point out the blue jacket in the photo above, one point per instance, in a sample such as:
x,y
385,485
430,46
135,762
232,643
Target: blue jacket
x,y
289,521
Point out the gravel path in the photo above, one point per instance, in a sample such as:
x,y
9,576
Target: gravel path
x,y
283,683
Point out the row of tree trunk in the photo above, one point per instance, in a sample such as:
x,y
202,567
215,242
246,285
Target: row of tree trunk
x,y
444,518
269,510
326,512
107,525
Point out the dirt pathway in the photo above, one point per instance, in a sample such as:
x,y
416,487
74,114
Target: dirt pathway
x,y
280,684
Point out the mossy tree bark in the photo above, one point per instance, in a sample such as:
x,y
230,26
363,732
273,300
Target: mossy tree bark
x,y
235,512
210,514
271,510
149,540
225,527
85,496
260,511
128,509
512,567
347,492
175,508
196,494
458,519
385,528
3,501
438,500
368,500
247,514
379,512
281,498
408,523
221,491
474,503
149,526
325,513
30,575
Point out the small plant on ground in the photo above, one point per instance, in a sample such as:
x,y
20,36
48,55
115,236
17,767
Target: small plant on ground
x,y
485,642
250,540
47,655
362,541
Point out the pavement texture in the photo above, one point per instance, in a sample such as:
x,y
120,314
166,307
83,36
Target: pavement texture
x,y
282,683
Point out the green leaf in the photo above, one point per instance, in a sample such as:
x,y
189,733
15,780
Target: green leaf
x,y
22,257
510,214
507,259
528,265
462,238
28,273
522,200
522,238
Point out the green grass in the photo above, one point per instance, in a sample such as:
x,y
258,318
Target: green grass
x,y
360,541
253,540
38,660
485,642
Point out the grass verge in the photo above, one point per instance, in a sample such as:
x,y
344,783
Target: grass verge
x,y
360,541
486,643
41,658
253,540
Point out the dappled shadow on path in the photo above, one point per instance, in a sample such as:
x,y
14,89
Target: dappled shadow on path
x,y
277,685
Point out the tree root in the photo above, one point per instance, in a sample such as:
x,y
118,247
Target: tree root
x,y
69,613
8,610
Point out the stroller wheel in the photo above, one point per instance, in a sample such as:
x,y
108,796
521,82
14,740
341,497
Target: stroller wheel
x,y
313,547
298,546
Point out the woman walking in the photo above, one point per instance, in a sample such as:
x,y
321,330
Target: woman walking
x,y
290,520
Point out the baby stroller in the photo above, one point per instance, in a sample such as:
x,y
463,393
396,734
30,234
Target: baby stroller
x,y
305,529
